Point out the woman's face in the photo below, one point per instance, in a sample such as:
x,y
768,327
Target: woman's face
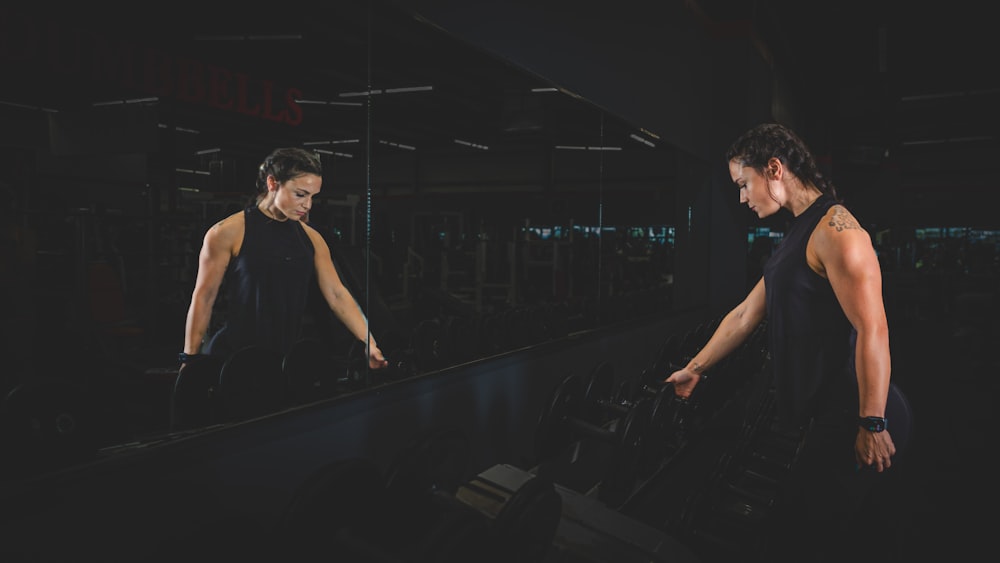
x,y
755,190
294,198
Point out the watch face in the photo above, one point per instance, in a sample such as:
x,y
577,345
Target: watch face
x,y
872,423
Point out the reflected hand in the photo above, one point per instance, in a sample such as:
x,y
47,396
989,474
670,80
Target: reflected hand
x,y
375,358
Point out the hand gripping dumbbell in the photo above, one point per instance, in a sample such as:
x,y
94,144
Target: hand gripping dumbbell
x,y
664,403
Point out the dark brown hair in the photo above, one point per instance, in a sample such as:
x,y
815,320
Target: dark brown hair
x,y
758,145
285,164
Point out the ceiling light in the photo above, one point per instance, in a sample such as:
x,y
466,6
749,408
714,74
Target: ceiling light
x,y
335,153
24,106
328,103
473,145
376,91
276,37
334,142
398,145
178,129
123,102
580,148
641,140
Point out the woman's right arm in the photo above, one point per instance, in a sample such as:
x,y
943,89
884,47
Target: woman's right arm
x,y
734,329
216,250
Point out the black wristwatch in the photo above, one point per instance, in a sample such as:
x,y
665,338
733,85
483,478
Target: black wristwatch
x,y
873,423
184,357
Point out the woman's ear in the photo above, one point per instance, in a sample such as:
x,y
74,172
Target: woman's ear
x,y
774,169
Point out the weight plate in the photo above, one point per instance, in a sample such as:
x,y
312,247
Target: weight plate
x,y
599,390
551,432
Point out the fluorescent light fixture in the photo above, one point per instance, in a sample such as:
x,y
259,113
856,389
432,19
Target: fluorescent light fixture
x,y
649,133
935,96
278,37
184,189
178,129
579,148
196,172
25,106
328,103
546,89
377,91
361,93
334,142
208,151
947,141
642,140
408,89
334,153
124,102
398,145
473,145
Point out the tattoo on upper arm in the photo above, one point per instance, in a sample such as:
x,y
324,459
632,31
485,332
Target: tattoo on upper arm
x,y
842,219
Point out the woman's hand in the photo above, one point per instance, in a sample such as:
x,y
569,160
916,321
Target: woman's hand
x,y
375,358
684,381
874,449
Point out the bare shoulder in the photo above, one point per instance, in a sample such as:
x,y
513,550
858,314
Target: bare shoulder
x,y
839,227
314,235
838,237
839,219
227,231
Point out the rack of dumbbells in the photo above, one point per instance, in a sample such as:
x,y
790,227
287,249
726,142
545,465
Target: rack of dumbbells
x,y
626,471
631,445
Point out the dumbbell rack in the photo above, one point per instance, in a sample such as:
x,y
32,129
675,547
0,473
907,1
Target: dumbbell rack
x,y
727,515
715,481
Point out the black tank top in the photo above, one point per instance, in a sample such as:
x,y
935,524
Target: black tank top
x,y
268,285
810,338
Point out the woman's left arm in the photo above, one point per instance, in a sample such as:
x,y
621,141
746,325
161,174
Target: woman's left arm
x,y
841,250
340,300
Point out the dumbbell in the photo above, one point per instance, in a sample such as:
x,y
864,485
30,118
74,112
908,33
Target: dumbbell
x,y
524,511
599,401
563,421
355,372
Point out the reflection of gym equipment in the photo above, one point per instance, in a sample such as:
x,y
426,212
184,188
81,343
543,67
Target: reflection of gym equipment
x,y
193,402
307,368
251,384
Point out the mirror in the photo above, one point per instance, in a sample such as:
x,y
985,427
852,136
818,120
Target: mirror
x,y
471,207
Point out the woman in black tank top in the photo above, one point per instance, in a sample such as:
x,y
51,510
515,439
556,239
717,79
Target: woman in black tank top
x,y
269,258
828,338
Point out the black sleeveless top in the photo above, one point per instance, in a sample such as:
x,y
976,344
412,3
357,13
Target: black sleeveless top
x,y
267,285
810,338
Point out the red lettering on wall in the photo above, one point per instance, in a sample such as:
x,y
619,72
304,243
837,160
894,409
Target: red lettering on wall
x,y
54,54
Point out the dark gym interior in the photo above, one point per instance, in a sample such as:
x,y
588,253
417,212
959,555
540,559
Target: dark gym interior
x,y
529,202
